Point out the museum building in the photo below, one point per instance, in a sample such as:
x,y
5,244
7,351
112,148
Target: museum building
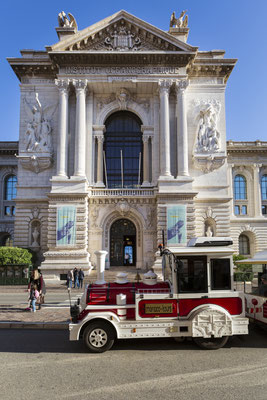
x,y
122,145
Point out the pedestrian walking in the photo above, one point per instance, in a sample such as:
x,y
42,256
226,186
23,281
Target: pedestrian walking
x,y
69,278
81,278
41,288
75,278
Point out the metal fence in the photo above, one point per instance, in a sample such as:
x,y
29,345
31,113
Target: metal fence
x,y
15,274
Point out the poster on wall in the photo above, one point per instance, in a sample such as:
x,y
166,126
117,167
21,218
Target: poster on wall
x,y
66,225
176,224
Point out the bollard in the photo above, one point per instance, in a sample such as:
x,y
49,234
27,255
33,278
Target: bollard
x,y
100,266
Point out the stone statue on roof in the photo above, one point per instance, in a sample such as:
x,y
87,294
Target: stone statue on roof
x,y
67,22
181,22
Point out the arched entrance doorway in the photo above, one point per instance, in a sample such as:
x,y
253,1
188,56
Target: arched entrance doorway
x,y
122,243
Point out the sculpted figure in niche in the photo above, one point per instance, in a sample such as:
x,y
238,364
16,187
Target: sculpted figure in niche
x,y
209,232
35,235
208,136
38,132
179,22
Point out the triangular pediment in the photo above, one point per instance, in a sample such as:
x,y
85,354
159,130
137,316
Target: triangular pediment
x,y
121,32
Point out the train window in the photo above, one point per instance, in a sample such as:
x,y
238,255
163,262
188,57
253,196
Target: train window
x,y
192,275
220,274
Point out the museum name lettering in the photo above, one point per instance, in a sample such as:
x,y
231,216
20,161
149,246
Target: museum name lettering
x,y
76,70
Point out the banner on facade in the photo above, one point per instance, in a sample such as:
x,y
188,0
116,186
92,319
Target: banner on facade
x,y
66,225
176,224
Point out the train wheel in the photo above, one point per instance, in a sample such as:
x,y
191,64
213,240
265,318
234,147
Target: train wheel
x,y
98,337
211,343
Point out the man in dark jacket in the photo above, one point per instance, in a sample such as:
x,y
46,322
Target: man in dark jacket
x,y
75,278
81,278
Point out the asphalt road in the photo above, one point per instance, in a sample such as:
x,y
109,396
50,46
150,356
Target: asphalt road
x,y
45,365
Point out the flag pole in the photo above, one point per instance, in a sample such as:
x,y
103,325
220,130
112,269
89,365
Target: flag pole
x,y
139,170
105,166
121,170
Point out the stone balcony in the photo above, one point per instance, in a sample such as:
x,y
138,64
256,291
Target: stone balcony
x,y
122,192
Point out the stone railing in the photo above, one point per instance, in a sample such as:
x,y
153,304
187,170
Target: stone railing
x,y
122,192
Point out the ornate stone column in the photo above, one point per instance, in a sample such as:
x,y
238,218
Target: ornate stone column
x,y
62,143
165,160
99,135
230,179
89,138
147,134
257,190
145,161
80,128
182,138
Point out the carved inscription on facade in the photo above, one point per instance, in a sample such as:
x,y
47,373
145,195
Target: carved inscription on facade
x,y
80,70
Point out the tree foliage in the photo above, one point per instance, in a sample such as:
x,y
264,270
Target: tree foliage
x,y
242,272
14,255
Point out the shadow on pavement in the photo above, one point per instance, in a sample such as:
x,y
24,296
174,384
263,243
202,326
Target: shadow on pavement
x,y
53,341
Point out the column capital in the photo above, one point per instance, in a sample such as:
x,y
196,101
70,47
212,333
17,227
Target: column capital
x,y
165,85
147,130
100,138
80,85
63,85
99,129
146,138
181,85
257,166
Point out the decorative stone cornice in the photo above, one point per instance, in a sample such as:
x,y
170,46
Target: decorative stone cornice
x,y
209,162
36,163
211,67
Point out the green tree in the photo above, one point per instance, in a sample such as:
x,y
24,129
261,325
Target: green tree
x,y
242,272
14,255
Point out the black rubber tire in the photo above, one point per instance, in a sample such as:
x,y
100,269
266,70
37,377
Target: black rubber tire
x,y
98,337
211,343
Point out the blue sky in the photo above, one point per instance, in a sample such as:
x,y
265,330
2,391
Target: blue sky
x,y
237,26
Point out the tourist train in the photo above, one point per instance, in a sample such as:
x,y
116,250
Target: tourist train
x,y
194,298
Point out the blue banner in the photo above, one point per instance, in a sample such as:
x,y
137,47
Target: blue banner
x,y
66,225
176,224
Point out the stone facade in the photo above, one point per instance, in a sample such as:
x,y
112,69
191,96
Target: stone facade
x,y
68,93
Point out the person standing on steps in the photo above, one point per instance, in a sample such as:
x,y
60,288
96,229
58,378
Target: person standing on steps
x,y
81,278
75,278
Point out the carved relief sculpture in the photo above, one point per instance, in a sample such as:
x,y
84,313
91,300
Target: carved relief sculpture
x,y
37,155
122,39
38,132
123,97
207,152
208,135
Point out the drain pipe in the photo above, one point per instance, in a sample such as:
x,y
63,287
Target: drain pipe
x,y
100,266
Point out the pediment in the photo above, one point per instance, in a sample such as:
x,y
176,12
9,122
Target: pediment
x,y
122,32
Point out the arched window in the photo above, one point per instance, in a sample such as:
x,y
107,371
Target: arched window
x,y
244,247
6,239
240,187
10,192
264,194
123,150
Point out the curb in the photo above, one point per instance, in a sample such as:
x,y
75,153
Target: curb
x,y
34,325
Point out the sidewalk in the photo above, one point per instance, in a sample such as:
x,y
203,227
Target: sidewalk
x,y
12,317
